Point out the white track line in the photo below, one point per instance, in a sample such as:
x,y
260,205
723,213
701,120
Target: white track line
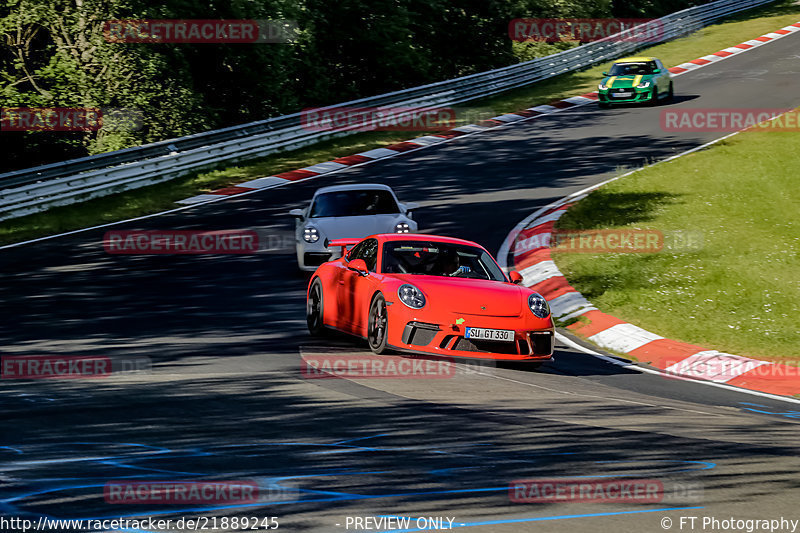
x,y
583,395
502,259
633,366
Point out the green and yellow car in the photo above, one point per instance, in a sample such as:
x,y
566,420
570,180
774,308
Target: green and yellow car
x,y
635,80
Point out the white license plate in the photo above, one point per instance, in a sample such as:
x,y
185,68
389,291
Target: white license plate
x,y
503,335
622,95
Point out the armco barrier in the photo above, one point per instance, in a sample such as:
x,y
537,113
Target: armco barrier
x,y
38,189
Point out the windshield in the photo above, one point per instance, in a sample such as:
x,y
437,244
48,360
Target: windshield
x,y
632,69
439,259
354,203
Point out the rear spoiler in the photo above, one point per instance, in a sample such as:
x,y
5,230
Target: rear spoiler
x,y
344,243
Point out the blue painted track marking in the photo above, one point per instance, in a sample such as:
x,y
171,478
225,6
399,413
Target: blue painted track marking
x,y
361,438
546,518
785,414
122,461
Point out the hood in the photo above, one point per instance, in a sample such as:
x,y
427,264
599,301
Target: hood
x,y
469,296
625,82
356,227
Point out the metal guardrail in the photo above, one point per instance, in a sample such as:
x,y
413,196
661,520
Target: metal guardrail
x,y
40,188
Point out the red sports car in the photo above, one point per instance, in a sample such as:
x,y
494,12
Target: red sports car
x,y
429,294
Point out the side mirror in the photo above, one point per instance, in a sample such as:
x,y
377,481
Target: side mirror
x,y
358,265
411,206
657,71
515,277
605,73
297,213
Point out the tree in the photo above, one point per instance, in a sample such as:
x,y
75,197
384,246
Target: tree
x,y
55,55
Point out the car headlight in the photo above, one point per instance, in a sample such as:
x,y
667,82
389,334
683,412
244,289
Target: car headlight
x,y
538,305
402,227
602,87
411,296
643,85
310,234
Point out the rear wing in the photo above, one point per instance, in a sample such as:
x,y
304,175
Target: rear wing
x,y
344,243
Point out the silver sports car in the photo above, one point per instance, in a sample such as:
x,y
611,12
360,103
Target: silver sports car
x,y
345,212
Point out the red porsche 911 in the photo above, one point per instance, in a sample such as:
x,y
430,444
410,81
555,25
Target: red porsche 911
x,y
429,294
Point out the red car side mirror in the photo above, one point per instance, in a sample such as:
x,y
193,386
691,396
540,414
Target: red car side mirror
x,y
515,277
358,265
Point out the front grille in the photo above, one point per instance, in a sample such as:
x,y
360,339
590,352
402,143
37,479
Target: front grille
x,y
316,258
542,343
622,93
419,333
524,348
463,344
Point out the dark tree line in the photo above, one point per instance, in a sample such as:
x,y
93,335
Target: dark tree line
x,y
54,54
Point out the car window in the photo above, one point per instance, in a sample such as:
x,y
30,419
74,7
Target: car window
x,y
439,259
366,250
633,69
354,203
369,253
355,251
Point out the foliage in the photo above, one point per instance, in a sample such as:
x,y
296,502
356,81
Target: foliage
x,y
53,54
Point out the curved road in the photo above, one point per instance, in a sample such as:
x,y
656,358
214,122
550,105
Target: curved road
x,y
225,397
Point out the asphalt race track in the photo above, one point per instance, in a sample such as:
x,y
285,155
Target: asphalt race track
x,y
226,399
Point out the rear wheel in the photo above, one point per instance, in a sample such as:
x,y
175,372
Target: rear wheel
x,y
377,325
314,309
671,93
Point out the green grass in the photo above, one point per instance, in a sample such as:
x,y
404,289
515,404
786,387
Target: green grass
x,y
162,197
729,276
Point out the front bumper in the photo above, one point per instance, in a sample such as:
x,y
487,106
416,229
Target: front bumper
x,y
312,255
638,95
533,338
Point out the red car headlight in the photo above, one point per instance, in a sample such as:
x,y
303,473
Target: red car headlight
x,y
411,296
538,305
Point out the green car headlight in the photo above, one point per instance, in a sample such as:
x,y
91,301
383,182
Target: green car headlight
x,y
602,87
643,85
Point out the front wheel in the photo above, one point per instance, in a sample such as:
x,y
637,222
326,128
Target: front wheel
x,y
377,333
671,93
314,309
